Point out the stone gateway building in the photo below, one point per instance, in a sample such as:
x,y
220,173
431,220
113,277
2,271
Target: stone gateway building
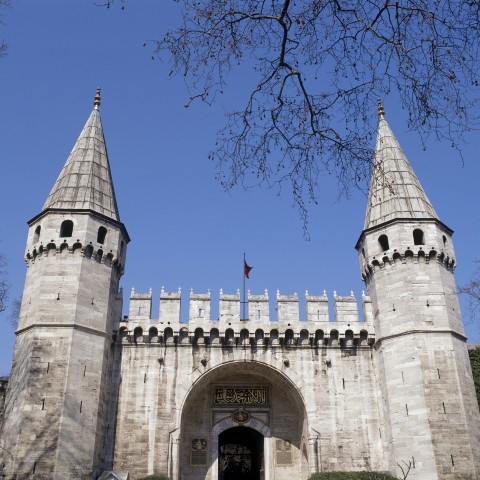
x,y
91,395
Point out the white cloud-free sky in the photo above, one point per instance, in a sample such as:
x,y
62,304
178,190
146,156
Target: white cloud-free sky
x,y
186,232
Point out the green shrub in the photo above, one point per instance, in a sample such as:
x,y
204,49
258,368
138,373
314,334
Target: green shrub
x,y
475,362
351,476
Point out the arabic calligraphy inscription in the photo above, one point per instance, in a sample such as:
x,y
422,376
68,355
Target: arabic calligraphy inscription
x,y
235,395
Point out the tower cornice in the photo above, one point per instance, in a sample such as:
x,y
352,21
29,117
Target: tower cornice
x,y
383,225
85,211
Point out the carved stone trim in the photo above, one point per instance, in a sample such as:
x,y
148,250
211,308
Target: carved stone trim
x,y
240,415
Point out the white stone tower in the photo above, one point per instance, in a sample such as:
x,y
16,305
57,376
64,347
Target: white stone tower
x,y
56,405
431,418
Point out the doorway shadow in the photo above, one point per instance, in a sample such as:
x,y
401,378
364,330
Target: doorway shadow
x,y
240,454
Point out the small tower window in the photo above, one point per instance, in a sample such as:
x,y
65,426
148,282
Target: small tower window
x,y
444,240
102,233
66,229
383,241
36,235
418,237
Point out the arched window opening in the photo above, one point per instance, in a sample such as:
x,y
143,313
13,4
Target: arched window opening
x,y
244,337
289,337
153,335
319,337
304,338
138,335
259,337
102,233
444,240
168,335
88,251
418,237
36,235
334,338
184,338
66,229
108,259
229,337
98,256
214,336
349,338
383,241
199,338
274,337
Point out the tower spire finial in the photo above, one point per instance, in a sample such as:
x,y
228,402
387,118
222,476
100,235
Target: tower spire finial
x,y
85,181
381,111
96,101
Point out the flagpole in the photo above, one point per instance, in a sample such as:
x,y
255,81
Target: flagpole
x,y
244,260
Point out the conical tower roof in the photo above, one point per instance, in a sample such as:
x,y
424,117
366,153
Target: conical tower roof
x,y
395,191
85,182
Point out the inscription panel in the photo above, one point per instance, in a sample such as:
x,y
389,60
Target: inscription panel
x,y
198,452
240,395
283,452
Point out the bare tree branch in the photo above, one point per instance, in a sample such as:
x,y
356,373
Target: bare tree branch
x,y
405,468
3,44
3,284
471,290
15,313
320,66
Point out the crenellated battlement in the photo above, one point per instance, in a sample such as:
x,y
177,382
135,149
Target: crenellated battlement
x,y
410,255
75,248
230,329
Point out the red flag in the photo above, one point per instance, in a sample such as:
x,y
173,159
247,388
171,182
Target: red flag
x,y
246,269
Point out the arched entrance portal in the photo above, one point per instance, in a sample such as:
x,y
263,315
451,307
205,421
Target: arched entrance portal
x,y
236,413
240,454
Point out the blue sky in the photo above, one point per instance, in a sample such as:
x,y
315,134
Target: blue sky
x,y
186,232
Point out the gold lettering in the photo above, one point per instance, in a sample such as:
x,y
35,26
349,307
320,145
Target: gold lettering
x,y
241,395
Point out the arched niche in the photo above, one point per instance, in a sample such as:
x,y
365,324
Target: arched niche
x,y
207,411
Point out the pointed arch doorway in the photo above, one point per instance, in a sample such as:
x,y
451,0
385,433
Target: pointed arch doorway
x,y
240,454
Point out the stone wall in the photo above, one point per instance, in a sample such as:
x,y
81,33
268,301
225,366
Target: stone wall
x,y
3,392
323,403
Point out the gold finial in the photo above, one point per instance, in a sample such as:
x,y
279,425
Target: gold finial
x,y
381,111
96,102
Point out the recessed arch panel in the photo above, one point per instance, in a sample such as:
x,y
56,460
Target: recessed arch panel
x,y
208,410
